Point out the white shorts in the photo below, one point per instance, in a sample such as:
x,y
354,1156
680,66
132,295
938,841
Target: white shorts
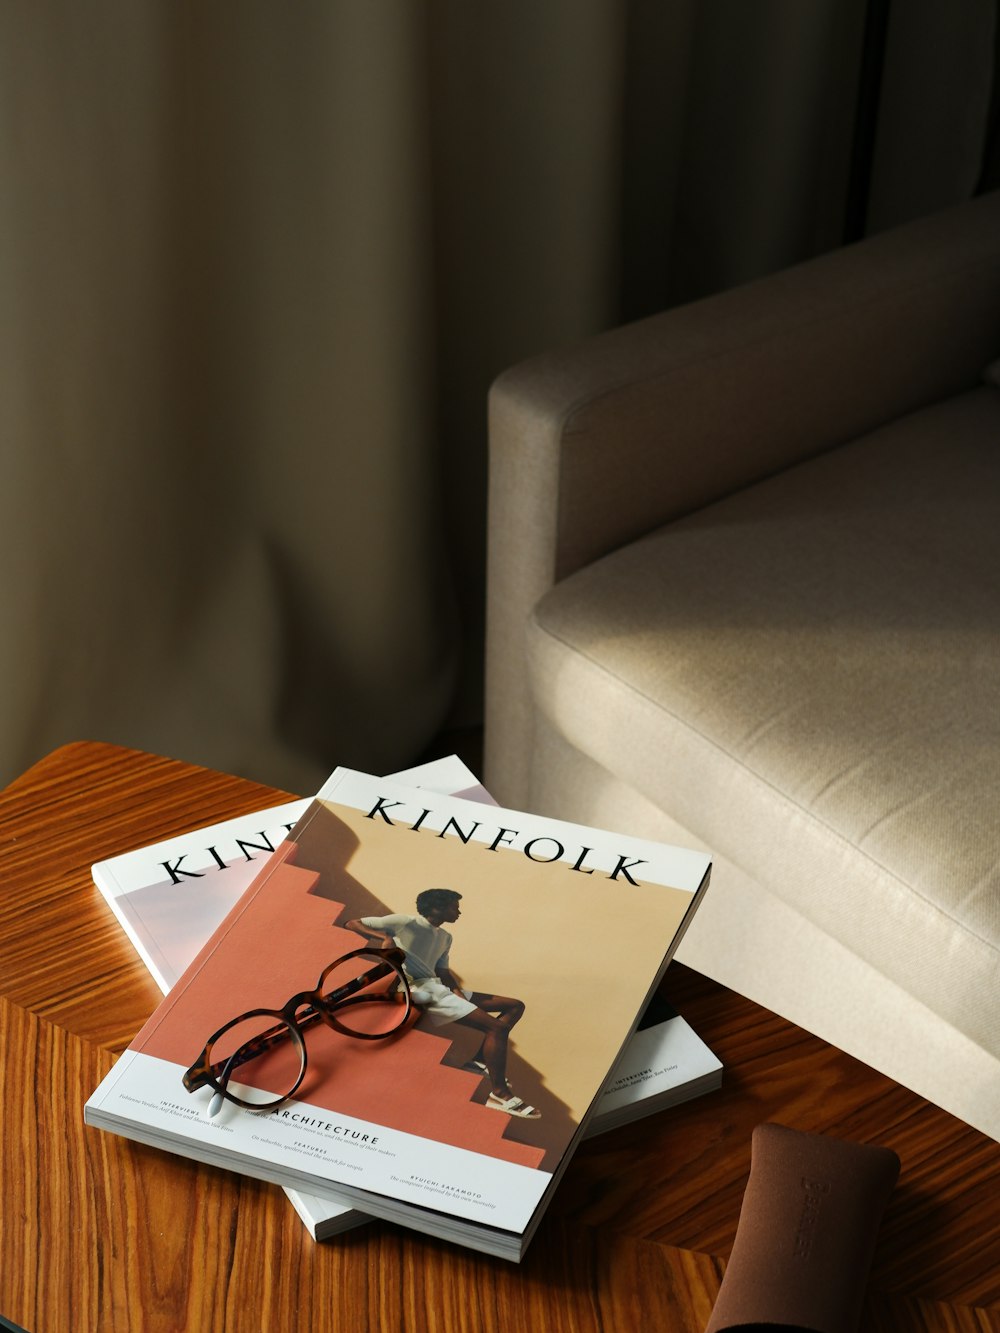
x,y
433,998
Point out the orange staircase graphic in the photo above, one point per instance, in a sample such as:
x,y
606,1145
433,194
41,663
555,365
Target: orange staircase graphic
x,y
276,942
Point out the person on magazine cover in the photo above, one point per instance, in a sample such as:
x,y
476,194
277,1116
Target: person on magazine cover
x,y
438,994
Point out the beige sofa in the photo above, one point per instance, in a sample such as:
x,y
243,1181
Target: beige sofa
x,y
744,593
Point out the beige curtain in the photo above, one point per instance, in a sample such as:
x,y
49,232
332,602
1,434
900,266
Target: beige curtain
x,y
222,538
258,265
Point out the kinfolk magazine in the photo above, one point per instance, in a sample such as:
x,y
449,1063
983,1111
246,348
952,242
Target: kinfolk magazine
x,y
169,897
558,932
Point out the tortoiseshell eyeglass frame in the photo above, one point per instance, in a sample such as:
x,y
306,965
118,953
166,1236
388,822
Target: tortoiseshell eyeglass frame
x,y
290,1023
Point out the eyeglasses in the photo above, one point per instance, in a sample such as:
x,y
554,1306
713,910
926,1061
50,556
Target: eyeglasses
x,y
268,1047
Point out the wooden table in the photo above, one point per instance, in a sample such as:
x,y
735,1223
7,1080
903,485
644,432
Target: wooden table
x,y
102,1234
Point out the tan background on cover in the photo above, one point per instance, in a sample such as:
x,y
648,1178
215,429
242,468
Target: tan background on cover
x,y
579,950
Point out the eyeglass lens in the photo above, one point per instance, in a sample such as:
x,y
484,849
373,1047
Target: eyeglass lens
x,y
375,1008
257,1059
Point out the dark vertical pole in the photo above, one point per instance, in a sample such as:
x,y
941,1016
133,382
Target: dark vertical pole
x,y
989,174
866,119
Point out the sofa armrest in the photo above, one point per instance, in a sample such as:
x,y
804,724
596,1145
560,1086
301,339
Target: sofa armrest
x,y
593,446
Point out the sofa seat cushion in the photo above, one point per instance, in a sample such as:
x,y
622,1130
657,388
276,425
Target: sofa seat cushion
x,y
807,676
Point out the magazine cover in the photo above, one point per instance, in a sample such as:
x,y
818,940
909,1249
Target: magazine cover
x,y
527,969
169,898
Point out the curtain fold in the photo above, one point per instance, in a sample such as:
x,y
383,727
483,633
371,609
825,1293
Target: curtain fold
x,y
259,265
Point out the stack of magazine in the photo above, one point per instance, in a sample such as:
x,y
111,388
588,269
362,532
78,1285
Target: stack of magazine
x,y
518,1012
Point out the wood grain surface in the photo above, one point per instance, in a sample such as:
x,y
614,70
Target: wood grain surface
x,y
102,1234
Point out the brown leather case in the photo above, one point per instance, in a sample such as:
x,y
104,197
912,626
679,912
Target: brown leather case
x,y
806,1233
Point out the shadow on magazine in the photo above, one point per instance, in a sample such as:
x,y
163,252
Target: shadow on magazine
x,y
555,1126
330,846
